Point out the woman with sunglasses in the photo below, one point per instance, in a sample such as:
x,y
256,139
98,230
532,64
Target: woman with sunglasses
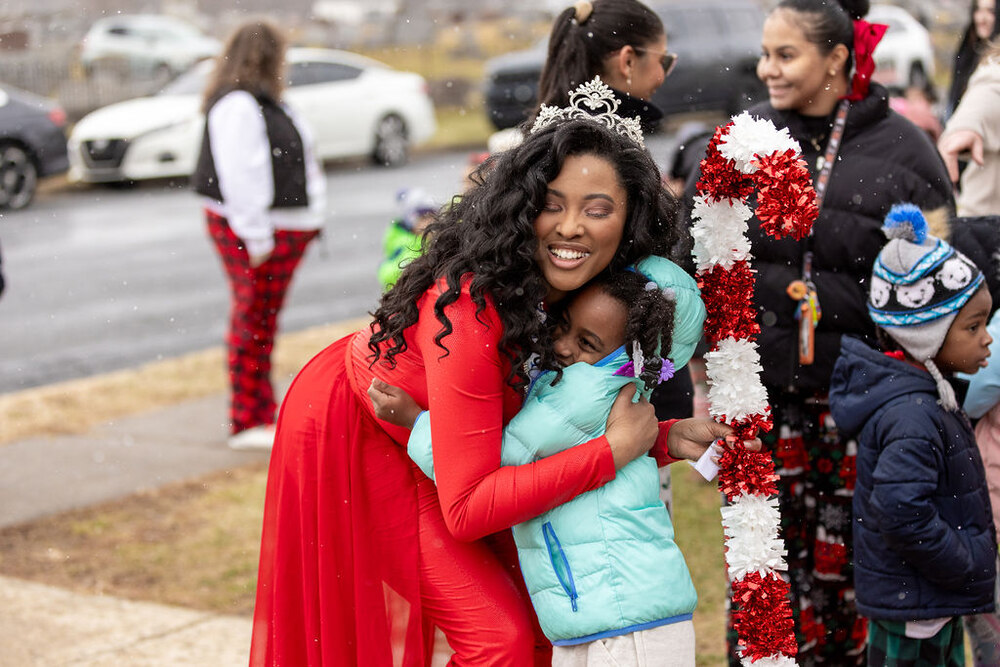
x,y
622,41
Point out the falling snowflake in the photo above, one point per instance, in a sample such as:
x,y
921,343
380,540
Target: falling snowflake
x,y
834,516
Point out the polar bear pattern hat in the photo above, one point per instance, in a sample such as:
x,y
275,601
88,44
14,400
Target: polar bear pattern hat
x,y
919,283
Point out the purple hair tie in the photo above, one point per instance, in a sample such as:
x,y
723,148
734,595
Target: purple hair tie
x,y
666,371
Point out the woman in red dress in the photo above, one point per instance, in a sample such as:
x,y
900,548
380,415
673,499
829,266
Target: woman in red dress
x,y
350,522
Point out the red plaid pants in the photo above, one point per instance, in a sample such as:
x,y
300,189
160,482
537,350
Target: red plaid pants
x,y
257,296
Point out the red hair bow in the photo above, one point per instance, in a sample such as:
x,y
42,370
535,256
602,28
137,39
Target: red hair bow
x,y
866,38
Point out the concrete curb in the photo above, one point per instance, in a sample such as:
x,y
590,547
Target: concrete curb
x,y
42,625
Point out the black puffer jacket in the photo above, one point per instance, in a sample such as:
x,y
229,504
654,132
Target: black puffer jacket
x,y
884,159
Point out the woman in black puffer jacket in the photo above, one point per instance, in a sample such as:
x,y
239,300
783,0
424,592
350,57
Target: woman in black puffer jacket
x,y
807,58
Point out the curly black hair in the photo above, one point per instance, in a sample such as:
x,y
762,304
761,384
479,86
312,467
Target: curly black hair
x,y
650,320
488,235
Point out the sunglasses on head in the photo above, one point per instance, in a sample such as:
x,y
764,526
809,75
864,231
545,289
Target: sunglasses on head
x,y
667,59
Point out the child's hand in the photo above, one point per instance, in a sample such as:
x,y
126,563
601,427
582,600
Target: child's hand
x,y
392,404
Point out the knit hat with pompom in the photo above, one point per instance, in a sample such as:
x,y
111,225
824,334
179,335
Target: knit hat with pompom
x,y
919,283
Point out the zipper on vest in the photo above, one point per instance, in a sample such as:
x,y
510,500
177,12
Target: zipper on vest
x,y
560,564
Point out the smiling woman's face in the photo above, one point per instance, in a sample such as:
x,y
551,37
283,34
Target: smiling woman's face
x,y
797,75
581,224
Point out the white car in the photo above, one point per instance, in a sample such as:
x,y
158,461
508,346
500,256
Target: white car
x,y
155,41
354,106
905,56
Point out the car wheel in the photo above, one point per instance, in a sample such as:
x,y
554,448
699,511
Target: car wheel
x,y
18,177
392,146
918,77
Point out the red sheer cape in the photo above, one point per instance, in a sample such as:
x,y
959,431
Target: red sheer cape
x,y
333,471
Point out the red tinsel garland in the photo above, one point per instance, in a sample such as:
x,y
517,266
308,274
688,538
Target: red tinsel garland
x,y
728,297
786,203
719,177
742,472
764,612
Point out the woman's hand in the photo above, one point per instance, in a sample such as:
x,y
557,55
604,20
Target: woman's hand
x,y
392,404
955,142
632,427
689,438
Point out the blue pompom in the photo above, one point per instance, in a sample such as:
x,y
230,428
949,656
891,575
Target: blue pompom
x,y
905,221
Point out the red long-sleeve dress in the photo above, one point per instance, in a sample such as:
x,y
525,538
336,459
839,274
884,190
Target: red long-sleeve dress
x,y
349,521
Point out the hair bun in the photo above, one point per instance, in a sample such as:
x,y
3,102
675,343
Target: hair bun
x,y
582,11
856,9
906,222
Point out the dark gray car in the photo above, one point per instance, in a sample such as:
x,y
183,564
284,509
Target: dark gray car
x,y
32,144
717,41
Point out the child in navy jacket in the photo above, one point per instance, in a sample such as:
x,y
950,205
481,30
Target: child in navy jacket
x,y
924,541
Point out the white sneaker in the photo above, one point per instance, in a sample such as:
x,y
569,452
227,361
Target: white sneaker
x,y
258,437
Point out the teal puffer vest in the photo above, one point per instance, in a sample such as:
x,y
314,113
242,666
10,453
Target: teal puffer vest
x,y
604,563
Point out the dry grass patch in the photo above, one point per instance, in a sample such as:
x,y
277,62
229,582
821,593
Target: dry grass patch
x,y
77,405
193,544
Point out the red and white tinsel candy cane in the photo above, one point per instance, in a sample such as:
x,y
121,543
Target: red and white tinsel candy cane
x,y
748,155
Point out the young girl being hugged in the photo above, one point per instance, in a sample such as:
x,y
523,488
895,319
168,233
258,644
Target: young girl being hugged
x,y
924,541
604,573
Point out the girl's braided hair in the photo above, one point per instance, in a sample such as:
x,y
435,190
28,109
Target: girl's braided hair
x,y
650,320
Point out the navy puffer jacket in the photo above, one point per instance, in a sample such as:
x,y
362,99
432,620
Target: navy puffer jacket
x,y
883,160
924,542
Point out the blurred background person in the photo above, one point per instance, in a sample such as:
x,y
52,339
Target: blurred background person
x,y
402,241
265,194
916,104
974,128
622,41
982,28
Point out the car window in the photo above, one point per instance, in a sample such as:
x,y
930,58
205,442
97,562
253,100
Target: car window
x,y
191,82
119,31
313,72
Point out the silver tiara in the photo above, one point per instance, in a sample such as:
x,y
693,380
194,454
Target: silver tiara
x,y
593,100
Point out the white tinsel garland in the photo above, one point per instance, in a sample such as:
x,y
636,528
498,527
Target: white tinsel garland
x,y
733,371
751,525
770,661
749,137
719,231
